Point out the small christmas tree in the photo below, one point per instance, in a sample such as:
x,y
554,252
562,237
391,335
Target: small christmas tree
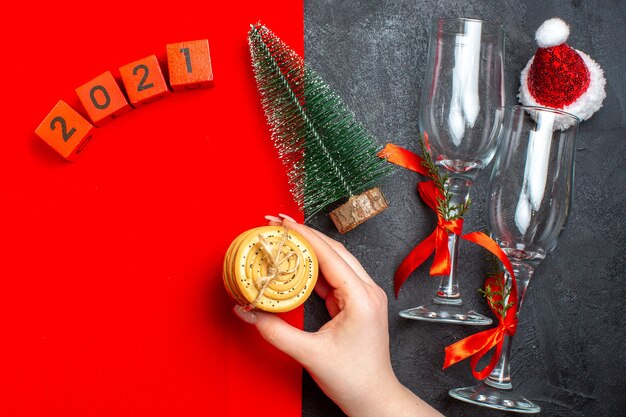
x,y
328,154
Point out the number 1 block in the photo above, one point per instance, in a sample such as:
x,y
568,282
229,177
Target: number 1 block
x,y
65,130
189,65
144,81
103,99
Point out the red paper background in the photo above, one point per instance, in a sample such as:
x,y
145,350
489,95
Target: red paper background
x,y
111,301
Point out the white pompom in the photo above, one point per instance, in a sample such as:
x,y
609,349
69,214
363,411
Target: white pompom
x,y
552,32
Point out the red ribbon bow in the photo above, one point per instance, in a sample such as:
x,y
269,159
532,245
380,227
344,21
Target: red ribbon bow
x,y
437,242
476,345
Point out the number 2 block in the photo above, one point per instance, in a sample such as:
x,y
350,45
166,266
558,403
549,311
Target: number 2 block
x,y
144,81
65,130
189,65
103,99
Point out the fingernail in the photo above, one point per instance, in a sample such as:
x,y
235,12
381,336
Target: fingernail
x,y
284,216
247,316
272,219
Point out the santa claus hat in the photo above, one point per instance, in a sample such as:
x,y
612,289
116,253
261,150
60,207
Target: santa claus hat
x,y
561,77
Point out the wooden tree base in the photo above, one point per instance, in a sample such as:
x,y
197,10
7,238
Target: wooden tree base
x,y
358,209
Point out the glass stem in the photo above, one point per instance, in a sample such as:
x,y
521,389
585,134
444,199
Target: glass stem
x,y
500,377
448,291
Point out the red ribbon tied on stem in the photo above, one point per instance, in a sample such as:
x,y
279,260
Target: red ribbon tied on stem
x,y
437,242
477,345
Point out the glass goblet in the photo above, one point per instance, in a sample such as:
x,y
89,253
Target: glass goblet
x,y
461,114
530,197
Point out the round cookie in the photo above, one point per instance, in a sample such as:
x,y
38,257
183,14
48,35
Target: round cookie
x,y
250,279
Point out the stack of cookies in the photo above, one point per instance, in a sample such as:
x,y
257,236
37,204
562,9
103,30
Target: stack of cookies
x,y
270,268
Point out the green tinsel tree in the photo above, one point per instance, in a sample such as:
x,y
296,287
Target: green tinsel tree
x,y
328,154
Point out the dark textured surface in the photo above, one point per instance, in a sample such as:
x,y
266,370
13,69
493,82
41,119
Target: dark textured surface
x,y
568,354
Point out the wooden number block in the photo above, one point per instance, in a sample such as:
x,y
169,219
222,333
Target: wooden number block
x,y
144,81
189,65
103,99
65,130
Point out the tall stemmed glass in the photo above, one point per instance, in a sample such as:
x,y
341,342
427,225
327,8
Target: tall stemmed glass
x,y
529,201
461,114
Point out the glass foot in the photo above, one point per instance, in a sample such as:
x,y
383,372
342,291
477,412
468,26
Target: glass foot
x,y
442,313
486,396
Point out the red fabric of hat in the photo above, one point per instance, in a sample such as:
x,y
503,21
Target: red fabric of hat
x,y
557,76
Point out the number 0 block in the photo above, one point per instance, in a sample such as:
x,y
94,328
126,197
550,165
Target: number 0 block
x,y
189,65
103,99
65,130
144,81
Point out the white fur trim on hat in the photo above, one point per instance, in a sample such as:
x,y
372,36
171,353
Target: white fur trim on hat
x,y
552,32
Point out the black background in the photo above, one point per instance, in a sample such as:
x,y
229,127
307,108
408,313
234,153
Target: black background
x,y
568,354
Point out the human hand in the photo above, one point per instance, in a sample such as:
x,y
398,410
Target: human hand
x,y
348,356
